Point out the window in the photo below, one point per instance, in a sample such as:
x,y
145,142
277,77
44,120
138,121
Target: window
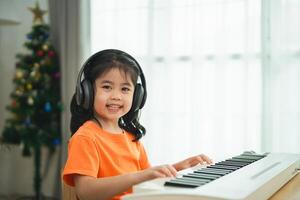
x,y
203,64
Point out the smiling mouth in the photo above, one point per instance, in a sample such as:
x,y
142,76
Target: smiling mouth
x,y
113,107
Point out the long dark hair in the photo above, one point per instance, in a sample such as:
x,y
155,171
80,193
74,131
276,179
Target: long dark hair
x,y
99,66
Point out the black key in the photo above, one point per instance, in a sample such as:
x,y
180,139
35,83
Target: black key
x,y
230,163
253,155
233,168
204,176
193,180
247,158
180,184
223,171
239,160
207,172
219,170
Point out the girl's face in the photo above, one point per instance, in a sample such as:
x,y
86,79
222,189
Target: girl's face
x,y
113,95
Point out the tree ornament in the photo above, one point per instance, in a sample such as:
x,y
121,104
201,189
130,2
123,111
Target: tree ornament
x,y
33,74
56,141
45,47
37,14
19,74
29,86
47,107
18,92
14,103
36,65
30,101
51,53
40,53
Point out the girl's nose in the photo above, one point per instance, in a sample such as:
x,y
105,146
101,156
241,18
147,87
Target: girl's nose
x,y
116,95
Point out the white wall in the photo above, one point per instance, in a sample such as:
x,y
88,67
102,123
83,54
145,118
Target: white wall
x,y
16,172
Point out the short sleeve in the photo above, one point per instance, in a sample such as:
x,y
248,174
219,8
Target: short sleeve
x,y
83,159
144,162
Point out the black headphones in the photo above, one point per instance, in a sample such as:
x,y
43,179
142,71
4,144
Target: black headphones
x,y
84,89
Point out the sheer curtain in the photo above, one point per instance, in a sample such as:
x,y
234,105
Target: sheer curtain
x,y
281,124
204,68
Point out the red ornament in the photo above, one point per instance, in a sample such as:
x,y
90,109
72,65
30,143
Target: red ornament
x,y
51,53
40,53
14,104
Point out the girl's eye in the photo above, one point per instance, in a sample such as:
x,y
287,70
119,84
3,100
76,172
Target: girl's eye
x,y
125,89
106,87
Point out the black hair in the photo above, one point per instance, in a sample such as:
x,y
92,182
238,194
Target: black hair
x,y
99,66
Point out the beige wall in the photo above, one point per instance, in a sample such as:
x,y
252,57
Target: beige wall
x,y
16,172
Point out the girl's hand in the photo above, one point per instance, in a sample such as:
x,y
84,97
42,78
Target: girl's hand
x,y
192,161
160,172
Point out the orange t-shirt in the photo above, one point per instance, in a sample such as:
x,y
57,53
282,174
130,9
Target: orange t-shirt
x,y
97,153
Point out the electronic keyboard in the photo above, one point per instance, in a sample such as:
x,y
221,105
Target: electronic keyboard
x,y
249,176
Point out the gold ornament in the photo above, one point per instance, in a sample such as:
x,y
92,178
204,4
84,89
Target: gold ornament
x,y
32,74
37,14
30,101
29,86
18,92
45,47
19,74
36,65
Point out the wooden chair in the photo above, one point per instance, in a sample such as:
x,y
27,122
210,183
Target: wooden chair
x,y
68,192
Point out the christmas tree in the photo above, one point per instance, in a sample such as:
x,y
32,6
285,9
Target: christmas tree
x,y
35,101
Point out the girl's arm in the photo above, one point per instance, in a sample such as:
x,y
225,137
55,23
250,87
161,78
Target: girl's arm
x,y
90,188
192,161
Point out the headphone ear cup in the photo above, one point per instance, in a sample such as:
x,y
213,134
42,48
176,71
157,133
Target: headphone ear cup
x,y
138,96
88,94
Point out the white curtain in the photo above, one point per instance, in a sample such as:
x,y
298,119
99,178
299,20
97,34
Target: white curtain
x,y
205,71
281,102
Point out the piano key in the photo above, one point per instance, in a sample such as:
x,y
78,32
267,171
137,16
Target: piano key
x,y
254,155
224,171
201,177
208,172
180,184
184,183
221,173
247,157
205,175
233,168
194,180
239,160
230,163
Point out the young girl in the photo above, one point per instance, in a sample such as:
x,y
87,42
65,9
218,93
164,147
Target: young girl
x,y
105,156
